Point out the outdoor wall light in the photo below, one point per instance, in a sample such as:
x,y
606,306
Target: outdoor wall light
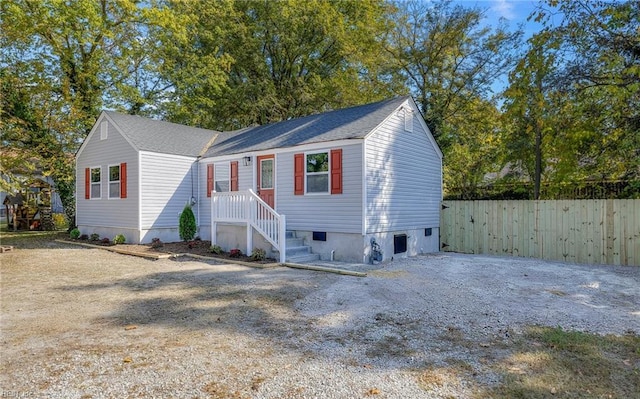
x,y
246,161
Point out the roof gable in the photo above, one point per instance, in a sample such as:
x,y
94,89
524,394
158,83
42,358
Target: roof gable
x,y
409,102
152,135
343,124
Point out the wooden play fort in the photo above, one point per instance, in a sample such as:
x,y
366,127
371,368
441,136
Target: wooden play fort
x,y
30,208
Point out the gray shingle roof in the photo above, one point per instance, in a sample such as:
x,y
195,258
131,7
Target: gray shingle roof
x,y
163,137
343,124
170,138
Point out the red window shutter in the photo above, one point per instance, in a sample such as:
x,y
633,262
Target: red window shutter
x,y
209,179
234,176
87,183
336,171
123,180
298,174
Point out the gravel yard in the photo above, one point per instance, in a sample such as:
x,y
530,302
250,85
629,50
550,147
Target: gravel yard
x,y
87,323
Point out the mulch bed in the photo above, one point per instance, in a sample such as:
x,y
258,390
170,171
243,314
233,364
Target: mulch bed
x,y
194,247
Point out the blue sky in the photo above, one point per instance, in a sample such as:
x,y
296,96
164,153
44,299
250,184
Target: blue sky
x,y
514,11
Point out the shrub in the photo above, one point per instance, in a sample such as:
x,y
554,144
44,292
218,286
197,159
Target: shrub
x,y
215,249
258,254
75,233
83,237
187,224
60,221
105,241
235,253
156,243
94,237
119,239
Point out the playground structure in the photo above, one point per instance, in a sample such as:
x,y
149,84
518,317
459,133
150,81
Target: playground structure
x,y
30,208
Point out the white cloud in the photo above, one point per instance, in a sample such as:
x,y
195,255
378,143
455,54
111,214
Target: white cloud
x,y
504,9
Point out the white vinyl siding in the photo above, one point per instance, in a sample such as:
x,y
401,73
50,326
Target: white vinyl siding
x,y
403,177
341,213
166,186
102,153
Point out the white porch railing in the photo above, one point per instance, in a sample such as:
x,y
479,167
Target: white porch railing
x,y
247,207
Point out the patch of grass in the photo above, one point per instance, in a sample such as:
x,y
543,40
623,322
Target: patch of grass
x,y
30,239
550,361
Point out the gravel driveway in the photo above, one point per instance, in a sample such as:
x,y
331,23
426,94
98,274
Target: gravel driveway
x,y
86,323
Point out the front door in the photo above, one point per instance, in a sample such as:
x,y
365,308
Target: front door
x,y
266,179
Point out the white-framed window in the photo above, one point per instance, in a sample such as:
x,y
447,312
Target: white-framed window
x,y
222,177
317,172
96,183
114,181
266,174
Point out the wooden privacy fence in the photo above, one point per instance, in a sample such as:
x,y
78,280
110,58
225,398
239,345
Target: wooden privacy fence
x,y
578,231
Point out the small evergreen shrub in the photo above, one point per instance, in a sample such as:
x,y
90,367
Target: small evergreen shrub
x,y
75,233
258,254
119,239
187,224
215,249
94,237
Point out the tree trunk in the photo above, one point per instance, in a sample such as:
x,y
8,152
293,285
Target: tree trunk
x,y
538,167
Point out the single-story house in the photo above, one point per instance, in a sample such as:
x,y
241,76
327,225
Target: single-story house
x,y
353,184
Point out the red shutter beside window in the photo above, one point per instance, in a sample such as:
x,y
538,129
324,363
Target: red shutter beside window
x,y
234,176
298,174
209,179
336,171
123,180
87,183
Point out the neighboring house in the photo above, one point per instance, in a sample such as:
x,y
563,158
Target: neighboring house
x,y
341,179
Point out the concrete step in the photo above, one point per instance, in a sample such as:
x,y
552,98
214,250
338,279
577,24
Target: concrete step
x,y
295,242
300,250
290,234
303,258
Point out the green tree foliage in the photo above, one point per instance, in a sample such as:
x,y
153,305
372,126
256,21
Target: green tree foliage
x,y
278,60
529,106
450,61
187,224
448,58
601,41
62,61
573,97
